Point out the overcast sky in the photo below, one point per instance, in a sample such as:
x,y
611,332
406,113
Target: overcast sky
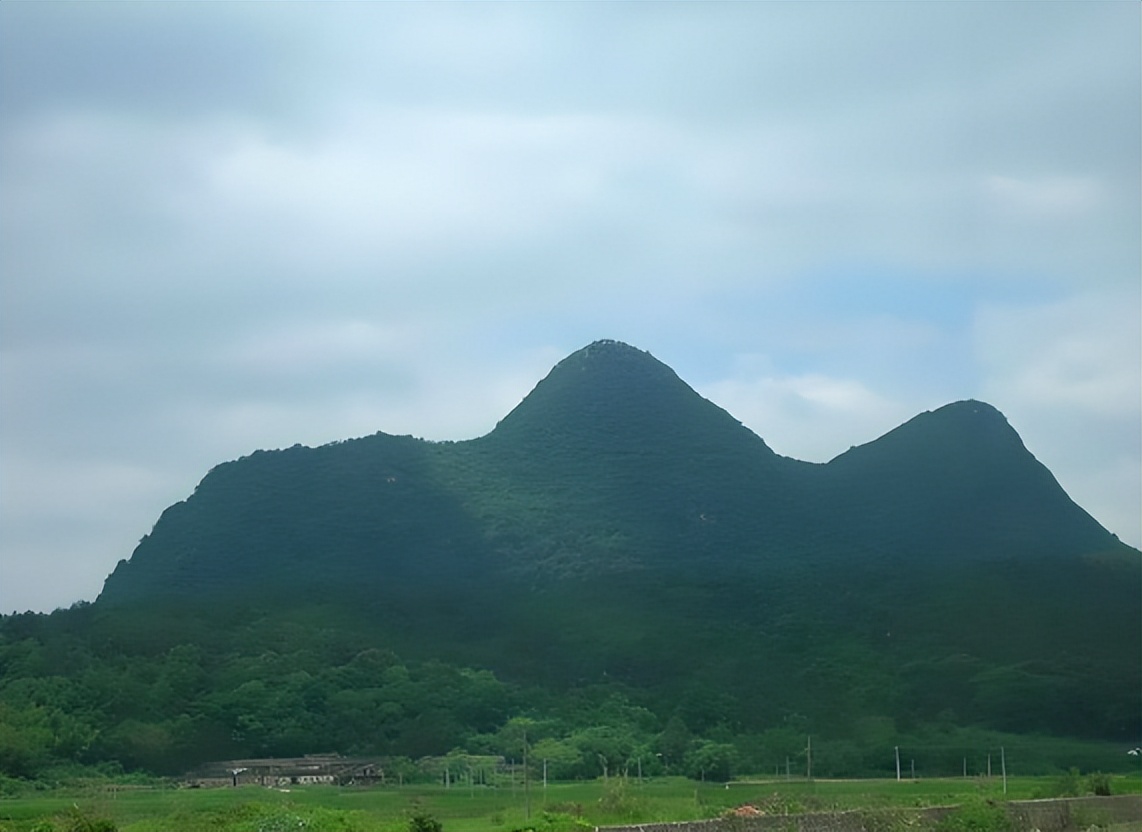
x,y
237,226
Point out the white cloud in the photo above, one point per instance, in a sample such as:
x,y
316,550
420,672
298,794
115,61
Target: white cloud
x,y
1081,353
1052,199
810,417
1068,375
311,346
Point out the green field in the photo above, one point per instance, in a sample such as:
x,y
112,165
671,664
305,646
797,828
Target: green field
x,y
559,807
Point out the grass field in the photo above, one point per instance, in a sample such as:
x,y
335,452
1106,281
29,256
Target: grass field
x,y
561,807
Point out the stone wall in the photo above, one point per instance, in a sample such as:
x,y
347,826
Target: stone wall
x,y
1061,815
1077,813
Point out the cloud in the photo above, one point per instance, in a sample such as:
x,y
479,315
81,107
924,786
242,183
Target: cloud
x,y
1049,199
811,417
1069,376
225,227
1080,353
66,522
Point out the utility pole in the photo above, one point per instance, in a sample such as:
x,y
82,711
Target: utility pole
x,y
809,758
898,764
913,768
526,790
1003,766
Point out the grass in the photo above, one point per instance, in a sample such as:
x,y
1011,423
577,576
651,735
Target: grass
x,y
562,807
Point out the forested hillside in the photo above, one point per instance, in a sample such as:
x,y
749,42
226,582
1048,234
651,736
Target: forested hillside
x,y
623,567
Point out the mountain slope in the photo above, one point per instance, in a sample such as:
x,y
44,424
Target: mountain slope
x,y
366,513
957,481
616,527
642,465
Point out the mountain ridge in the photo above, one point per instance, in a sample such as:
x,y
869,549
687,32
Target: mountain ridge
x,y
645,465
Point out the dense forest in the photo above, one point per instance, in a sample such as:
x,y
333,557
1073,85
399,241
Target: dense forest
x,y
128,693
619,575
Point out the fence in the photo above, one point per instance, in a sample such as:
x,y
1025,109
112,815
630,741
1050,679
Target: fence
x,y
1078,814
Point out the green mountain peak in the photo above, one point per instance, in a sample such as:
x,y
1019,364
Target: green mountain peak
x,y
963,475
612,395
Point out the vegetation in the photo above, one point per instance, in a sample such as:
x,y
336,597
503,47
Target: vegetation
x,y
562,807
620,579
106,688
977,816
421,821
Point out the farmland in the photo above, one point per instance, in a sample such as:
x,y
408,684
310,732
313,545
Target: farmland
x,y
94,807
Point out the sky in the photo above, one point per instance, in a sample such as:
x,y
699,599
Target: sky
x,y
235,226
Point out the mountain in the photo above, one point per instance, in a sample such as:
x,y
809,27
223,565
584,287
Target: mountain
x,y
616,529
611,464
959,481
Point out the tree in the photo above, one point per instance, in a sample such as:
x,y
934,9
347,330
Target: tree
x,y
603,749
712,761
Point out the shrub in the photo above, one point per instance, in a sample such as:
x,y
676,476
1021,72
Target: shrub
x,y
1069,784
1098,783
618,801
556,822
424,822
977,816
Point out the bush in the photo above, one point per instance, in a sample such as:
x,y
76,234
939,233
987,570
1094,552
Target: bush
x,y
977,816
424,822
1069,784
556,822
1098,783
11,787
618,801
